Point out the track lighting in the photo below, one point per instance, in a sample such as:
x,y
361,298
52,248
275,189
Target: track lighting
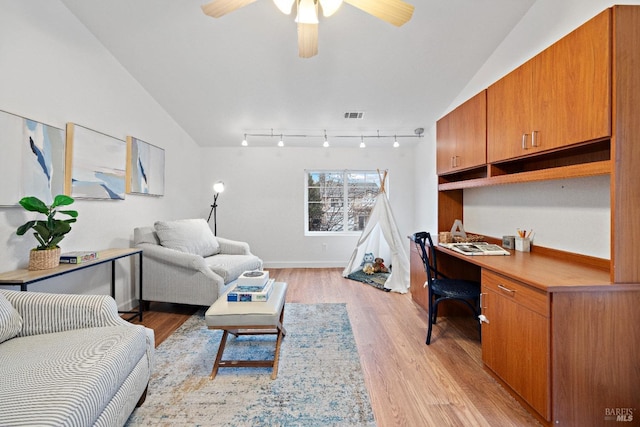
x,y
381,139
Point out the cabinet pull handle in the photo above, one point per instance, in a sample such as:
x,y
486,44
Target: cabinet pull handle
x,y
482,306
510,291
533,138
524,140
453,161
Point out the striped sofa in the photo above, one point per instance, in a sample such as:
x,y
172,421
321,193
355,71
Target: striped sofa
x,y
72,361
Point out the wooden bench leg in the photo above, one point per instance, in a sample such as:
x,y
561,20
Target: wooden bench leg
x,y
216,364
281,334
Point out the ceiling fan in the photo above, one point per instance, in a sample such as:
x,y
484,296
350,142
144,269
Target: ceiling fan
x,y
396,12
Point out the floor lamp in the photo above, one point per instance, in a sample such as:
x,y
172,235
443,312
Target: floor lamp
x,y
218,188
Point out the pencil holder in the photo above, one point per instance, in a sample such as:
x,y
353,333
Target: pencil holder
x,y
523,244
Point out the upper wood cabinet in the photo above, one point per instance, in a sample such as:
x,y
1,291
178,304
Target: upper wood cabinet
x,y
461,136
560,97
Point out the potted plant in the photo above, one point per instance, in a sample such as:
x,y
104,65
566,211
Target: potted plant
x,y
49,232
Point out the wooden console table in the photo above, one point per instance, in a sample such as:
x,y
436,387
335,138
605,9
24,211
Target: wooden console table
x,y
24,277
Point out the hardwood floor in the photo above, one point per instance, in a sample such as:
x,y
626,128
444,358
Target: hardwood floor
x,y
410,383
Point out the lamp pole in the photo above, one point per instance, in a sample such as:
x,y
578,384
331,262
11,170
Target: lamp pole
x,y
214,208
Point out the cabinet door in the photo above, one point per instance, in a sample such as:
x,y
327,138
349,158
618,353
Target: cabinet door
x,y
515,345
470,124
461,137
572,101
509,114
445,145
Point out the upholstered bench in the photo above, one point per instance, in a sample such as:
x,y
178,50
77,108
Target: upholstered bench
x,y
248,318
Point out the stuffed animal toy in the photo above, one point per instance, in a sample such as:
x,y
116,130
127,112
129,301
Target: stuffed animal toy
x,y
379,267
367,263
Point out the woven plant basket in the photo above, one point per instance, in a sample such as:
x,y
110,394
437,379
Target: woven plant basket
x,y
43,260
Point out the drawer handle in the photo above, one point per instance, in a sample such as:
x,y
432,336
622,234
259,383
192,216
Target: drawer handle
x,y
505,289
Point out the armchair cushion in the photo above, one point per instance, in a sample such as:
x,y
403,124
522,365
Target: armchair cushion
x,y
192,236
10,320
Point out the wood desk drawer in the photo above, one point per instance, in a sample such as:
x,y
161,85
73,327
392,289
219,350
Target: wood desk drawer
x,y
522,294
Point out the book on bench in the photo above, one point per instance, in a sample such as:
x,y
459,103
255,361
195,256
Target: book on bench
x,y
250,293
476,248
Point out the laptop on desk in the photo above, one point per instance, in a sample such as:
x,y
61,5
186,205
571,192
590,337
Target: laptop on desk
x,y
476,248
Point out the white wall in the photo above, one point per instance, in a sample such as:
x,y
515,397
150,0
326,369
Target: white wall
x,y
570,215
54,71
263,202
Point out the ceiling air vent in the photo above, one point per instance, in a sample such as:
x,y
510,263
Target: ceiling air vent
x,y
353,115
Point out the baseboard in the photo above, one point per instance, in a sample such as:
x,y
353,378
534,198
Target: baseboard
x,y
304,264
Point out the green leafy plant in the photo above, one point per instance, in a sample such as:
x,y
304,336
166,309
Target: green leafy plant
x,y
51,231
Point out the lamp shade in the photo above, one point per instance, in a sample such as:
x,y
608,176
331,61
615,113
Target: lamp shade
x,y
329,7
307,12
284,5
218,187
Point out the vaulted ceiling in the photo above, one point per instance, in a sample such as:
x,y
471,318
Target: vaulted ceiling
x,y
222,78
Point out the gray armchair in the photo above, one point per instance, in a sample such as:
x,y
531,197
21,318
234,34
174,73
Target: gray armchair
x,y
184,263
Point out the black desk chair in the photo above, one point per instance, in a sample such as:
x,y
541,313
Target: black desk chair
x,y
442,288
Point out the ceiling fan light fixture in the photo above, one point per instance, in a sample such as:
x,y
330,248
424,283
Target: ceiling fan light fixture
x,y
284,6
307,12
329,7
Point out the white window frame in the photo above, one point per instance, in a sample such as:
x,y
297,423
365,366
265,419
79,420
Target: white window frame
x,y
345,200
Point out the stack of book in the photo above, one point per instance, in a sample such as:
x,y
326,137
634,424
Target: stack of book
x,y
252,286
78,257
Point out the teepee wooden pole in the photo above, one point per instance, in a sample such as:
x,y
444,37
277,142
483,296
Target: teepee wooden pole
x,y
383,179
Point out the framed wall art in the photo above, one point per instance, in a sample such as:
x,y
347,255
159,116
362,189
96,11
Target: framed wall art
x,y
145,168
96,164
32,162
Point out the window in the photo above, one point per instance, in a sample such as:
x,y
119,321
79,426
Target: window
x,y
339,201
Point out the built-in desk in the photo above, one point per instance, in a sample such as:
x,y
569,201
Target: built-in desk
x,y
24,277
561,337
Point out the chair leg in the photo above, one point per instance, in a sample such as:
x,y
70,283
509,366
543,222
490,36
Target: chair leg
x,y
432,320
429,331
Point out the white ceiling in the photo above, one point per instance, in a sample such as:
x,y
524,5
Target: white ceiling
x,y
221,78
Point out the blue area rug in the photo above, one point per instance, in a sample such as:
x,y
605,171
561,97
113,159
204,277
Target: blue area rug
x,y
319,383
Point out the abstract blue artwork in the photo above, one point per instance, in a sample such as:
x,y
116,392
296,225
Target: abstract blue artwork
x,y
98,164
32,161
146,168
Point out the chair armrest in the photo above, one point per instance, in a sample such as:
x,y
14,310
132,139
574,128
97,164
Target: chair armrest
x,y
233,247
44,313
173,257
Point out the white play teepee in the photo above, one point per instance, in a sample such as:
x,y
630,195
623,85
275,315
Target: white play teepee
x,y
382,238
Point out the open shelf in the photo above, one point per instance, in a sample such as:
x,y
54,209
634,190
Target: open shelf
x,y
583,160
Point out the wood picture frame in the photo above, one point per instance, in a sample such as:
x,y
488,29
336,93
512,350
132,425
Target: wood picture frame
x,y
145,168
96,164
32,160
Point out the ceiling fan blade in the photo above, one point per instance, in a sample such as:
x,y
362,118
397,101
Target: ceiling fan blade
x,y
307,40
218,8
396,12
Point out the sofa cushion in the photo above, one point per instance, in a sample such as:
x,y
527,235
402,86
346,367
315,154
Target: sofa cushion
x,y
192,236
10,320
66,378
230,267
